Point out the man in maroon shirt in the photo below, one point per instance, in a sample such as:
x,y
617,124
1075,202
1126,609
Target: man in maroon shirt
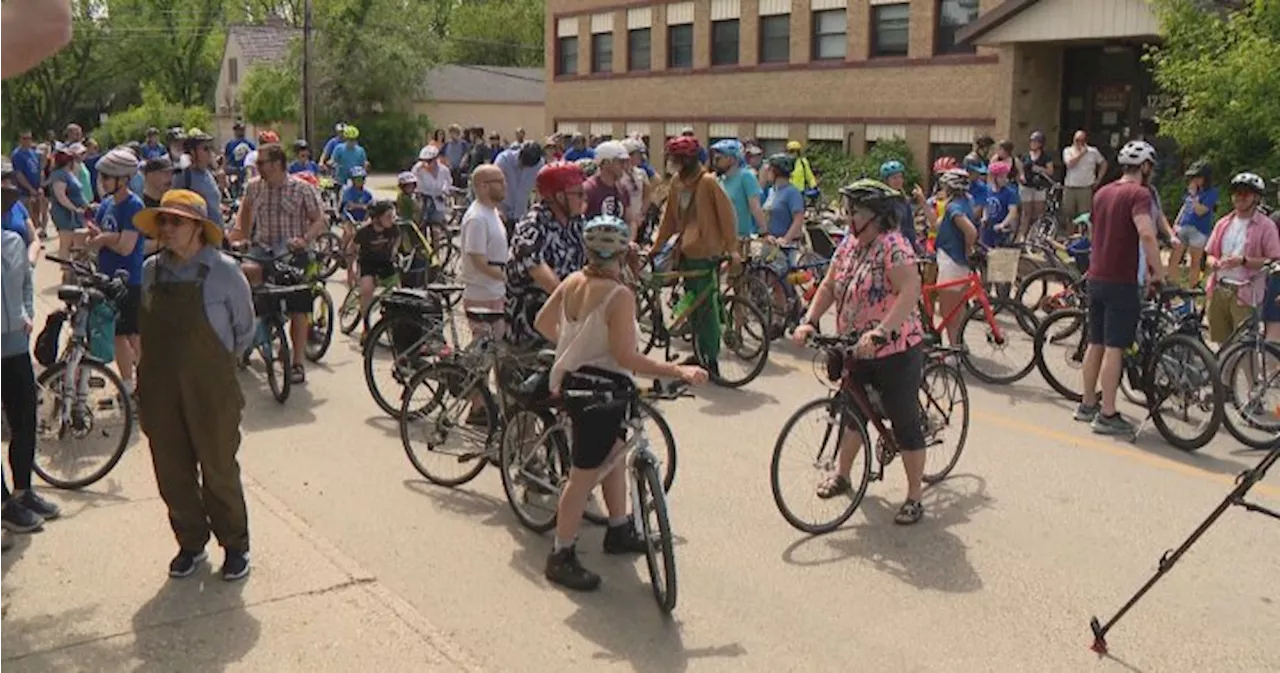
x,y
605,196
1122,226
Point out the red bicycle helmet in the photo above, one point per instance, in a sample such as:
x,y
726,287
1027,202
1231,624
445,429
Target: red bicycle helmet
x,y
944,164
683,146
268,137
307,177
556,177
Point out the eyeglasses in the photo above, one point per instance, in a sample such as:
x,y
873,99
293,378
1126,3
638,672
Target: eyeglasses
x,y
168,220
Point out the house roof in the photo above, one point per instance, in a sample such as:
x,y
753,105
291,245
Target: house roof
x,y
268,43
1008,9
486,84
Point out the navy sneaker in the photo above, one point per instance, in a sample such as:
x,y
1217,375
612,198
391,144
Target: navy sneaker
x,y
236,565
186,561
17,518
39,506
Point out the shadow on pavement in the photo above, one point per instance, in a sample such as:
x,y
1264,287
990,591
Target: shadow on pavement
x,y
730,401
21,541
1022,392
262,412
27,642
926,556
166,634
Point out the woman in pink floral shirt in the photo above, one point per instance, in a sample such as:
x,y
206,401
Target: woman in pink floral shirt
x,y
875,287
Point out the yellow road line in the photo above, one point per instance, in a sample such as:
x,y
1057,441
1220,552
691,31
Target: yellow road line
x,y
1117,449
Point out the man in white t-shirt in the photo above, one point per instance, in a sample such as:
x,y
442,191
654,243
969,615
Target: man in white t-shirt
x,y
1085,169
484,246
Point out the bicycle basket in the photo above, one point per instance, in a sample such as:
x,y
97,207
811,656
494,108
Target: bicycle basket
x,y
49,339
102,331
1002,265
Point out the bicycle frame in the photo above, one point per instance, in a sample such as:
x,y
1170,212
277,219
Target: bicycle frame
x,y
974,290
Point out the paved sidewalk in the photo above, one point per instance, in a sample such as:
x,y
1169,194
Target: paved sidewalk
x,y
90,593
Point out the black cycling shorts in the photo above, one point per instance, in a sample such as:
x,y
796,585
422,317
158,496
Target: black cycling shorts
x,y
596,427
897,378
380,269
128,306
1113,313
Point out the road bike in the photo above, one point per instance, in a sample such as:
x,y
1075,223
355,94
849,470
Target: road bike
x,y
409,335
856,409
84,416
535,472
1251,373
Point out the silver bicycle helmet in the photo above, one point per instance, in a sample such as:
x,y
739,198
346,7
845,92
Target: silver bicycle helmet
x,y
1136,153
1250,181
118,163
606,236
955,179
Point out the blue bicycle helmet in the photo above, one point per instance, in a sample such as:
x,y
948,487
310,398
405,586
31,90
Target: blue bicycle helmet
x,y
891,167
358,171
730,148
606,236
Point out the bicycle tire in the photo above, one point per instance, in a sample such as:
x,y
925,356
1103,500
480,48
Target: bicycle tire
x,y
838,408
329,249
953,373
1021,317
740,312
1210,364
652,500
375,308
446,374
1044,277
669,464
763,295
349,317
404,364
41,465
649,317
315,350
512,455
1077,329
1235,418
281,383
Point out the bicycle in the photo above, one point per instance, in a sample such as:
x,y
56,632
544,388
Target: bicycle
x,y
786,286
740,320
1168,361
944,404
412,329
71,419
540,469
271,334
1251,374
982,314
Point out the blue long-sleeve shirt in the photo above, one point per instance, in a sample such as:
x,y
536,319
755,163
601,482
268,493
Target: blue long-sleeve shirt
x,y
228,302
520,183
18,295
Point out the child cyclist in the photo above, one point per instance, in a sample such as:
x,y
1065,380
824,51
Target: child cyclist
x,y
408,206
375,245
353,208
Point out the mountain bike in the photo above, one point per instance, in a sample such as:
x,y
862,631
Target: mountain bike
x,y
409,335
850,408
271,326
1251,373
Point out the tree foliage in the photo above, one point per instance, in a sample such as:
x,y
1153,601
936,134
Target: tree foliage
x,y
269,94
1220,68
174,44
132,124
837,168
497,32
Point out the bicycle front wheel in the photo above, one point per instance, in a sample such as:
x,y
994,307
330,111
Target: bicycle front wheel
x,y
393,351
278,360
1252,378
1047,290
82,447
1003,359
662,443
655,526
806,455
320,325
744,344
1061,341
447,418
1184,391
944,411
349,313
534,465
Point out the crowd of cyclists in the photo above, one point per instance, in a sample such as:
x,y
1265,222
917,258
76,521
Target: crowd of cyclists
x,y
552,237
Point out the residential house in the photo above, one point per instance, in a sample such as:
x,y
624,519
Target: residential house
x,y
247,46
498,99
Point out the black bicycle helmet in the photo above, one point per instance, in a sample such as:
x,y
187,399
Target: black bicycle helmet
x,y
381,206
300,144
530,154
869,193
1199,169
782,163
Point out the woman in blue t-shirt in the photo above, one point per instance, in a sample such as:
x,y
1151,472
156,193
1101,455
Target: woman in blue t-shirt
x,y
1194,222
66,200
957,232
1000,217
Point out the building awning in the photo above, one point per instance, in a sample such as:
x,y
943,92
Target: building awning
x,y
1022,21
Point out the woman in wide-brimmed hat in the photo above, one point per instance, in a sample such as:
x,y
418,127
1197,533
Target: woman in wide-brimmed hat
x,y
197,313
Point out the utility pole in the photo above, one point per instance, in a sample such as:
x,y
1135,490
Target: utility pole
x,y
306,71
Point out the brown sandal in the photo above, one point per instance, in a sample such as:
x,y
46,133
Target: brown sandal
x,y
911,512
836,484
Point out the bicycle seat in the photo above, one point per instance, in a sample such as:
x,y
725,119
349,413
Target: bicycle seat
x,y
71,294
485,315
546,357
444,288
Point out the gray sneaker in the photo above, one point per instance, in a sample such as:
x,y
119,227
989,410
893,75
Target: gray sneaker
x,y
1111,425
1085,414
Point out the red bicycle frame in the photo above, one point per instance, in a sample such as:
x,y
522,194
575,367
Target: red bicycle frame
x,y
974,289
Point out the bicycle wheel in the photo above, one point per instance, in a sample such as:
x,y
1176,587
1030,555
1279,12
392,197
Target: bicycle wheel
x,y
1252,379
534,468
392,354
1047,290
83,449
320,325
822,425
745,344
656,529
328,249
1007,360
278,360
944,408
1061,341
374,315
662,444
447,418
649,317
763,288
349,313
1184,386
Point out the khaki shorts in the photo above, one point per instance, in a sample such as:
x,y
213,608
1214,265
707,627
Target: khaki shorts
x,y
477,328
1225,312
1031,195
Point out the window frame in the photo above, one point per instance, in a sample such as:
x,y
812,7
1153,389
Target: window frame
x,y
772,146
737,41
671,46
941,31
633,63
876,48
599,64
817,35
765,38
562,54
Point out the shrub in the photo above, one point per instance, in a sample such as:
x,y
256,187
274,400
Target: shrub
x,y
837,169
132,124
391,139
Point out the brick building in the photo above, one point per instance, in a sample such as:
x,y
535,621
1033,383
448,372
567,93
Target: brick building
x,y
933,72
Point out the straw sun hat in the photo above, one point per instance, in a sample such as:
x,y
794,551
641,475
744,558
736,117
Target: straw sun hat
x,y
183,203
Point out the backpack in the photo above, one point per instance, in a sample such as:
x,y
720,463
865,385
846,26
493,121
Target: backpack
x,y
47,342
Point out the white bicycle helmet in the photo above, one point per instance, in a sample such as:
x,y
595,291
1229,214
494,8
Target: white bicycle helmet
x,y
606,236
956,180
611,150
240,152
1136,153
633,145
1250,181
406,178
118,163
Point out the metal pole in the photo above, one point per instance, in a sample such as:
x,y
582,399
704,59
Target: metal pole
x,y
306,71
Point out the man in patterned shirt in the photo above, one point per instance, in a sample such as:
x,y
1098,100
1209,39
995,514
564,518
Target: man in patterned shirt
x,y
547,246
279,213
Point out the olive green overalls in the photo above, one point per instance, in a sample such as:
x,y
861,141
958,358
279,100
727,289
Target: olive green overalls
x,y
190,407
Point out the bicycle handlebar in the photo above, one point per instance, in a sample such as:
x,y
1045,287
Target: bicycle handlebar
x,y
113,286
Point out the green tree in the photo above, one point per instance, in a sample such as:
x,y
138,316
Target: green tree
x,y
836,168
176,44
497,32
1219,66
269,94
133,123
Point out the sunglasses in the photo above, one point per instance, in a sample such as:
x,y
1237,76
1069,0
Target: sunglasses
x,y
168,220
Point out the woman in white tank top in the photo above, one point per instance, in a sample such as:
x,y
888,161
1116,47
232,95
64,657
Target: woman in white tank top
x,y
591,318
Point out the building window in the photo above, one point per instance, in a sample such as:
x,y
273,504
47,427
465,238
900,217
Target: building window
x,y
724,42
952,16
955,151
890,26
567,56
602,52
680,46
775,38
829,35
772,146
233,71
638,44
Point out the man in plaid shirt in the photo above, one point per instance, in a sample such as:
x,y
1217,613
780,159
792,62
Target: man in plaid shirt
x,y
281,213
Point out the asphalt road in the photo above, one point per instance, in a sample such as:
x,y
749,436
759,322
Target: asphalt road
x,y
1041,526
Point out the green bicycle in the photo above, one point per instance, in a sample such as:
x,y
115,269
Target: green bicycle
x,y
417,254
